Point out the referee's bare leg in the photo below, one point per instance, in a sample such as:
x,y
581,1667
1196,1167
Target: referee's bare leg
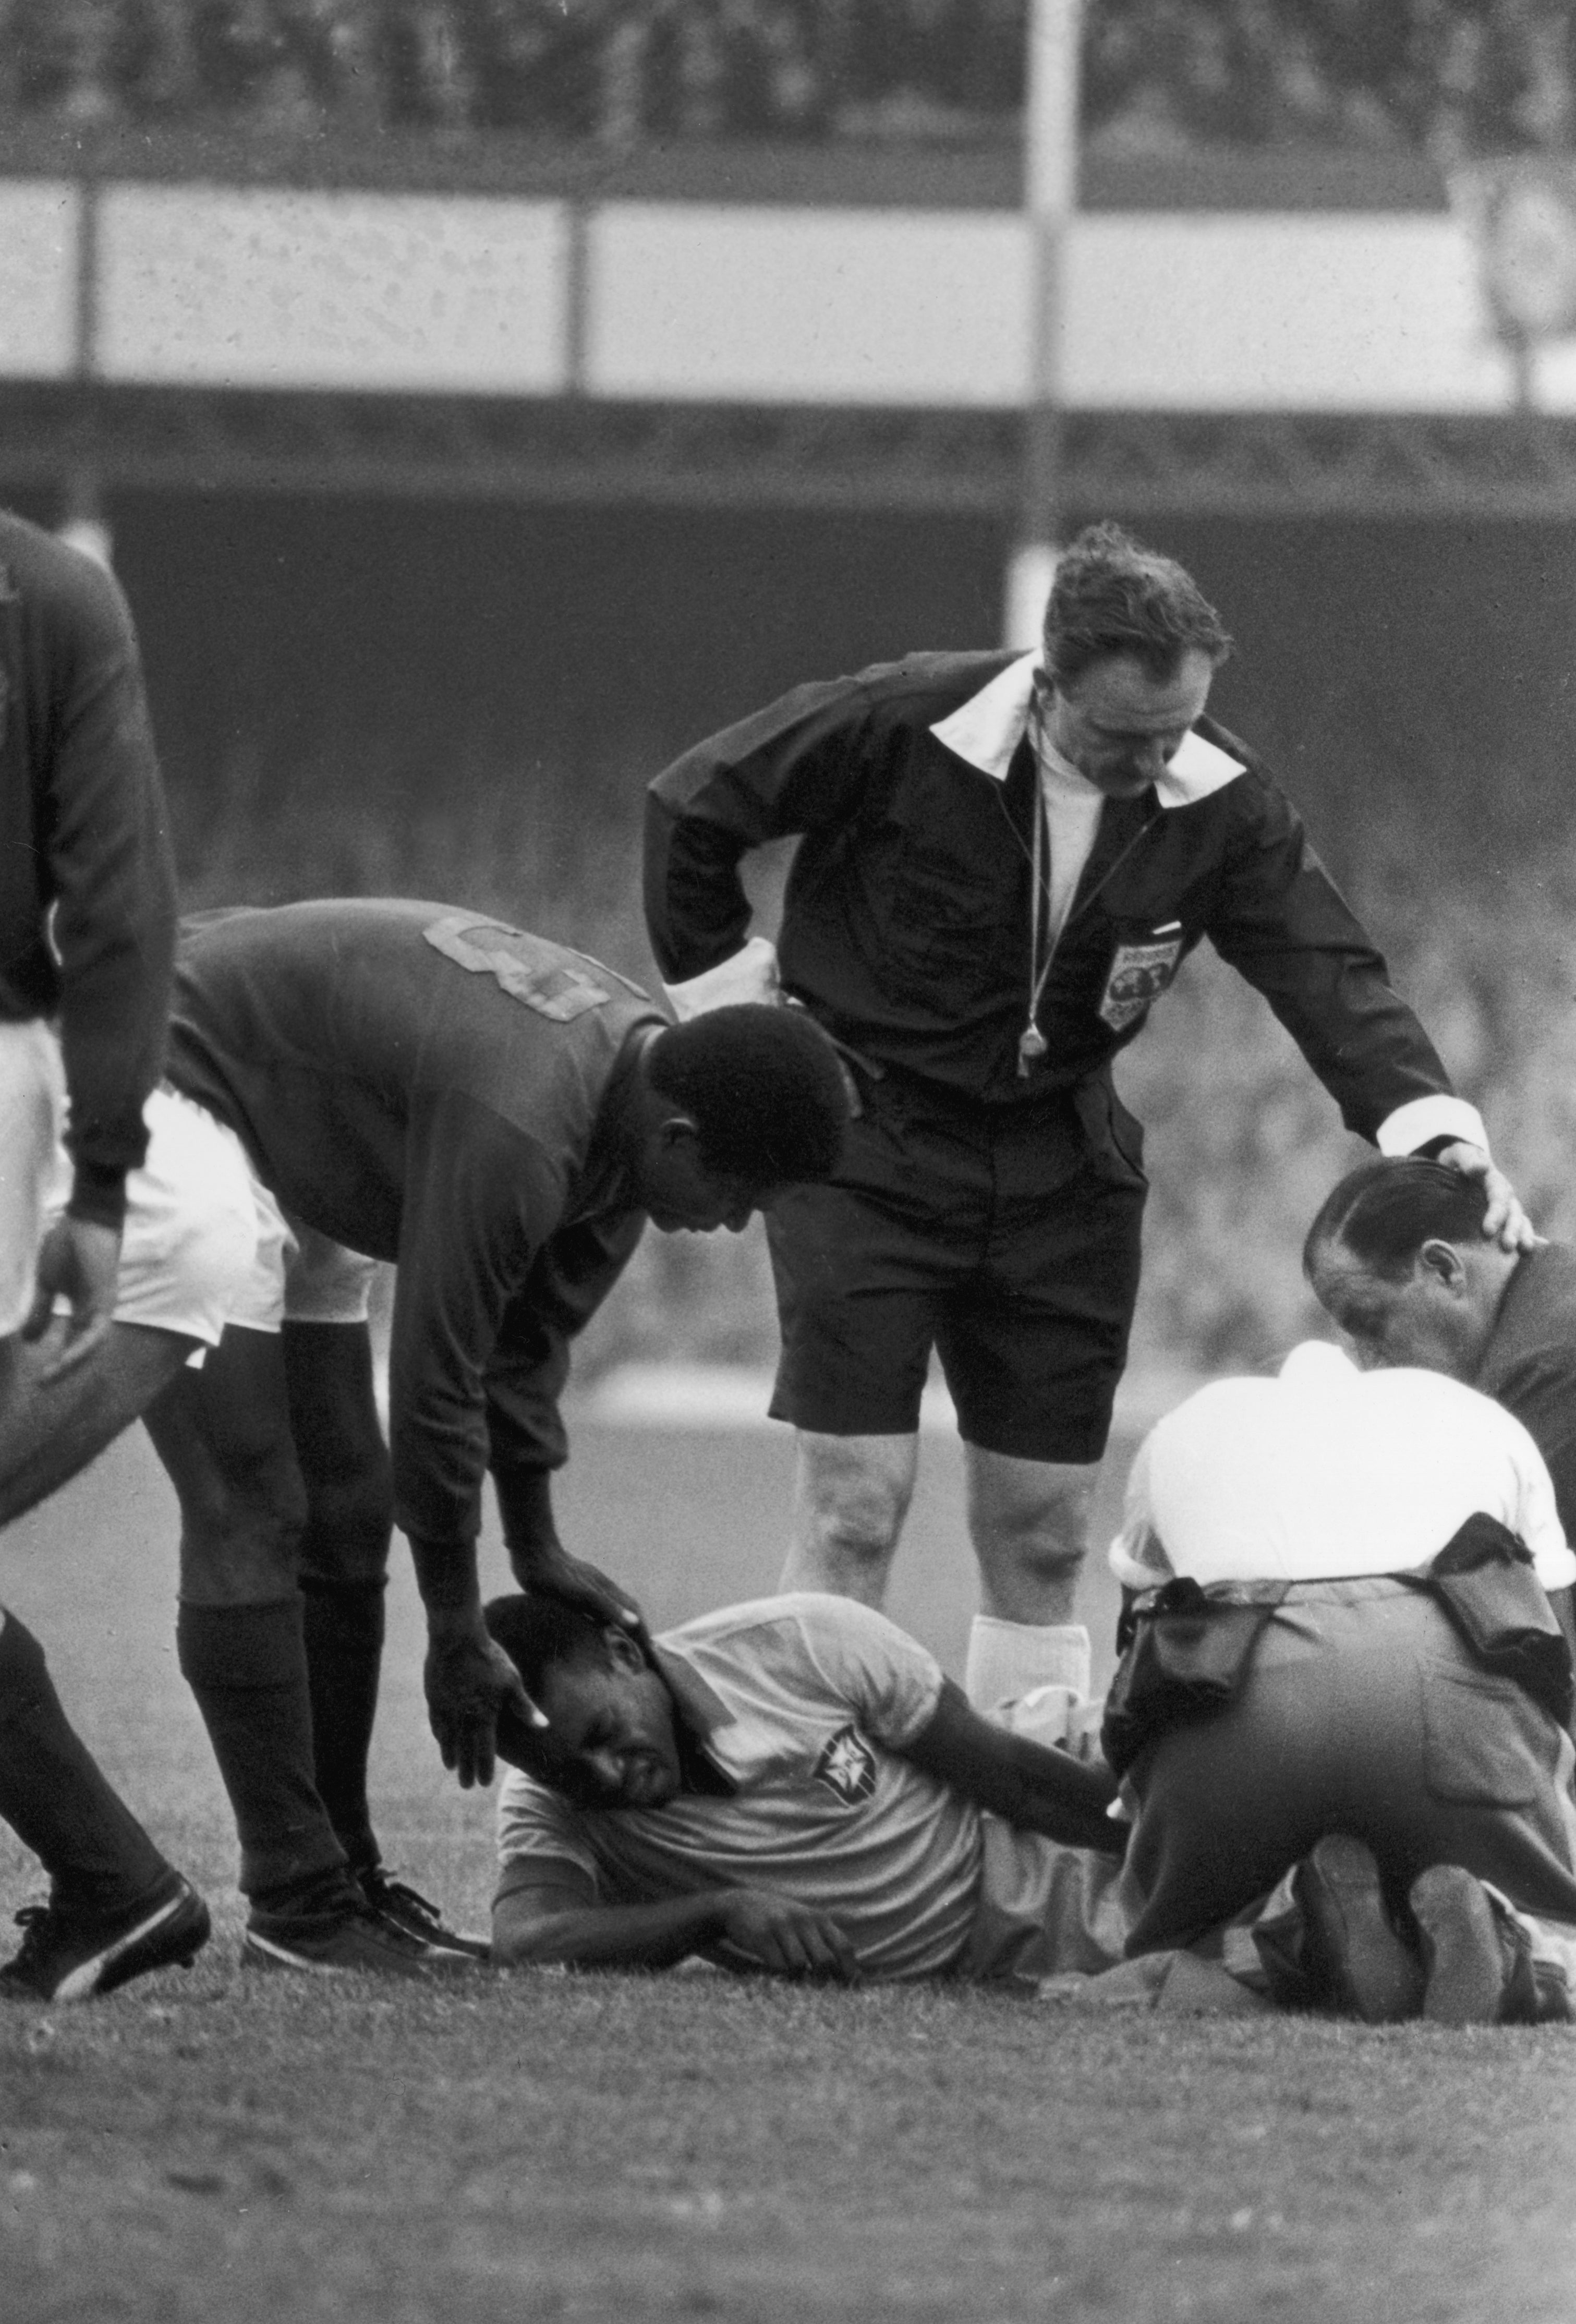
x,y
1029,1521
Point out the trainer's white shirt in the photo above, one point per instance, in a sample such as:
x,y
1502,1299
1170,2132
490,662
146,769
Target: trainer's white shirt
x,y
1326,1471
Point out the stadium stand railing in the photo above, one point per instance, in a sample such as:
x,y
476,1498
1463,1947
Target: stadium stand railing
x,y
1446,77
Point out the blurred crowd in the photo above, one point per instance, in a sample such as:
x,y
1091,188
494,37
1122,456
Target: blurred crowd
x,y
1160,76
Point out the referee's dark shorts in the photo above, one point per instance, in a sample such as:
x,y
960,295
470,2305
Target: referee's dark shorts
x,y
1001,1236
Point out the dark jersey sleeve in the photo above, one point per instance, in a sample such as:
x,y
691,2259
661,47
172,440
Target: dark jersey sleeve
x,y
482,1200
573,1275
1280,920
113,879
795,766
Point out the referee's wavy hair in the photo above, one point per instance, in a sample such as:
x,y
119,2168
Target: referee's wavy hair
x,y
1112,596
764,1088
1386,1210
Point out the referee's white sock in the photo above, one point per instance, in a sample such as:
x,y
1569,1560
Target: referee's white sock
x,y
1007,1660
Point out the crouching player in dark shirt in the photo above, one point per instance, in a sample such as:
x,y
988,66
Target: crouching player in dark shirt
x,y
788,1785
500,1117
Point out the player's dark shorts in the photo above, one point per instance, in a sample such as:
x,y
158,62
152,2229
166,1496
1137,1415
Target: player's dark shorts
x,y
996,1236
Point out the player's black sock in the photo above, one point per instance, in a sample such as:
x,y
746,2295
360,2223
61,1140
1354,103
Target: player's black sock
x,y
344,1629
53,1795
247,1667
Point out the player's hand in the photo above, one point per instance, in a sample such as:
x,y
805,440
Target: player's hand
x,y
1504,1220
793,1940
79,1261
470,1683
557,1574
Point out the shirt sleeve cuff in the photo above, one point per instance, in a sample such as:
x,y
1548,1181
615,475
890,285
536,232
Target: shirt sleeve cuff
x,y
98,1194
744,976
1427,1117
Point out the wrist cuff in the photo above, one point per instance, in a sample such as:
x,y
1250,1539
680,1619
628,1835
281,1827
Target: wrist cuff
x,y
1426,1118
98,1194
750,974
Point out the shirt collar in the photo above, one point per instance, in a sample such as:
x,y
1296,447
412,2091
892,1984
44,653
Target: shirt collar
x,y
987,729
701,1710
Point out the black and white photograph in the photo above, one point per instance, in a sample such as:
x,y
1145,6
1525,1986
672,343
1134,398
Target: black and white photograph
x,y
787,1161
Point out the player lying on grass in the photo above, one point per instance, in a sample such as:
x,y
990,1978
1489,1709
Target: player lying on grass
x,y
1347,1680
788,1785
398,1081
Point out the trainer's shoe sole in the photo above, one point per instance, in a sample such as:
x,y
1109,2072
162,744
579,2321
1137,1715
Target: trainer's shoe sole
x,y
1461,1952
171,1936
1368,1970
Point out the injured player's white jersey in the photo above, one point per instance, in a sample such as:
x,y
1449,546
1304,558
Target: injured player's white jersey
x,y
804,1703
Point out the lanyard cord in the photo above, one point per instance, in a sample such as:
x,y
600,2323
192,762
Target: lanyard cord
x,y
1031,1041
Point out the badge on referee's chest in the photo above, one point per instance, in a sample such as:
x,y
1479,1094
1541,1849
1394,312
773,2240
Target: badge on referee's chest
x,y
1138,974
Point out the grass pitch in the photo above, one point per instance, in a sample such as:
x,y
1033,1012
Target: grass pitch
x,y
215,2145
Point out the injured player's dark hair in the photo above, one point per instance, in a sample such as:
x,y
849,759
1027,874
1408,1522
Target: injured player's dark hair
x,y
539,1632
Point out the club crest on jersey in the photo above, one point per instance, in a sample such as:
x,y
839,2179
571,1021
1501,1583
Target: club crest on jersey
x,y
847,1766
1138,974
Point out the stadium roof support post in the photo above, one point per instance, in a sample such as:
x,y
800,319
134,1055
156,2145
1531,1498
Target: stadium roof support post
x,y
82,520
1050,196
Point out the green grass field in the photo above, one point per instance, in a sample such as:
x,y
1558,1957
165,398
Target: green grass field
x,y
213,2147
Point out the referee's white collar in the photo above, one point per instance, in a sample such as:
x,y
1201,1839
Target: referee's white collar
x,y
987,729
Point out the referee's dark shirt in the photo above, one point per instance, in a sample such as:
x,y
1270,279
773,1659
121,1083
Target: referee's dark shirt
x,y
907,922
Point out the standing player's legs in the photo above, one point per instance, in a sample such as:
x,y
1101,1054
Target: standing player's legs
x,y
116,1906
348,1526
343,1564
224,1436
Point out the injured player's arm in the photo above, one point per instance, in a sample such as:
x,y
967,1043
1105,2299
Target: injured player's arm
x,y
549,1913
1029,1784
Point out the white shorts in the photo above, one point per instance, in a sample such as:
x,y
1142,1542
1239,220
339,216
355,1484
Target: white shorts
x,y
190,1229
206,1244
32,1110
298,1276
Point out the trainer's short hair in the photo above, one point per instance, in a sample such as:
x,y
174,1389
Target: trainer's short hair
x,y
1385,1211
764,1088
1112,596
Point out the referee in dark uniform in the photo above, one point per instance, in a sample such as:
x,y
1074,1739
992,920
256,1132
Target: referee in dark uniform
x,y
1003,862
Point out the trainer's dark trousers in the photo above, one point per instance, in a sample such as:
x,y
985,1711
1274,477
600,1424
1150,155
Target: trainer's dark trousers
x,y
1363,1713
